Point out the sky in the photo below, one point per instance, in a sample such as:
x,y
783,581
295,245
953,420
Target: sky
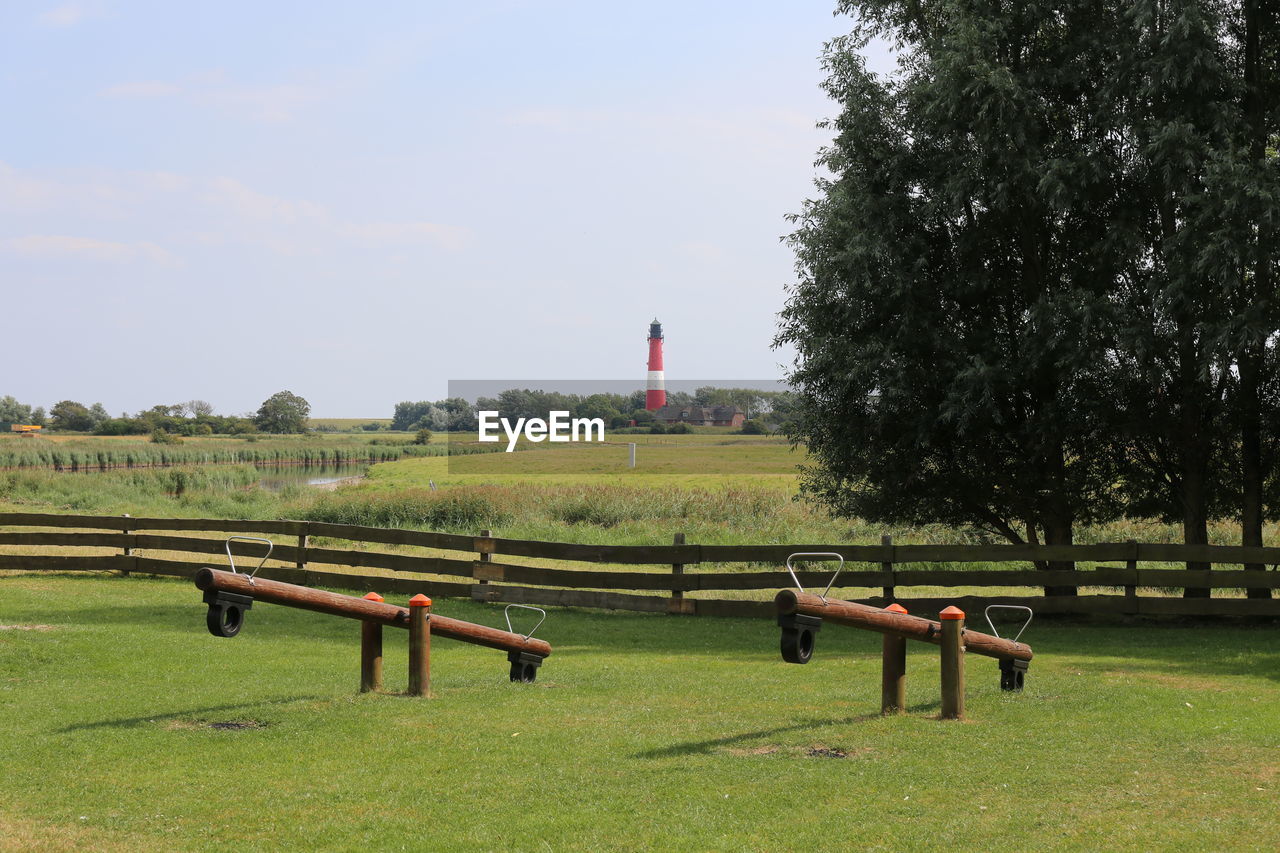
x,y
361,202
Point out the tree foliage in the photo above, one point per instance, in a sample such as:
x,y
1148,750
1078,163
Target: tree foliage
x,y
1039,265
283,412
76,417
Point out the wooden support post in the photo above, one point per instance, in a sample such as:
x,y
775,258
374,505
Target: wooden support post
x,y
893,671
952,620
887,541
677,569
371,652
419,646
1131,590
486,558
303,542
127,551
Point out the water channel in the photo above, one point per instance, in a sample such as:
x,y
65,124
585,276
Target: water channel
x,y
278,478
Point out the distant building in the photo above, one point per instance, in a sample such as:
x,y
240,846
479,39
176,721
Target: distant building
x,y
721,416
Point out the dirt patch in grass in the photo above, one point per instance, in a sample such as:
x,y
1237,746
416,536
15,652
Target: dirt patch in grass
x,y
221,725
817,750
26,627
826,752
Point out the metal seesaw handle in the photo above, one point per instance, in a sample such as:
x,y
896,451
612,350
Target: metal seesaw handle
x,y
232,560
506,611
830,583
990,607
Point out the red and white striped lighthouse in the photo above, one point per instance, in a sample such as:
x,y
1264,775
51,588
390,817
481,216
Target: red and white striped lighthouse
x,y
655,395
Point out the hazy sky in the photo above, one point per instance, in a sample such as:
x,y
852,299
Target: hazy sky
x,y
361,201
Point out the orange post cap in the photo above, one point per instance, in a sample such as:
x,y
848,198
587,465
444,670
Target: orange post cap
x,y
372,596
951,612
419,600
896,608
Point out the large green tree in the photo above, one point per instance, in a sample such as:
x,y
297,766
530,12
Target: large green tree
x,y
952,307
1195,378
1255,399
283,412
77,417
1040,284
11,411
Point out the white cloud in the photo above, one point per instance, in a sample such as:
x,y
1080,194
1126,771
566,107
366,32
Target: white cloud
x,y
66,15
142,89
384,234
162,213
251,204
211,90
61,245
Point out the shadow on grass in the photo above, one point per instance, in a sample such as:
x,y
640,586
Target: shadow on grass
x,y
126,722
705,747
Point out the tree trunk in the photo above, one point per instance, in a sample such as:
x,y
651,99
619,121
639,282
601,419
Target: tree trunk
x,y
1252,361
1194,447
1058,531
1251,469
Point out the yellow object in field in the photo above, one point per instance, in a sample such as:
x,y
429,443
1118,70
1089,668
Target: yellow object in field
x,y
25,429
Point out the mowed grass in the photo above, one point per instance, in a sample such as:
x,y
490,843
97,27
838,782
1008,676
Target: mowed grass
x,y
642,732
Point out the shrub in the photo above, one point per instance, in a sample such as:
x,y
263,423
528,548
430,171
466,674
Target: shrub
x,y
159,436
422,436
458,509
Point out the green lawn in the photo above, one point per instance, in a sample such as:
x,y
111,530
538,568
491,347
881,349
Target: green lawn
x,y
642,732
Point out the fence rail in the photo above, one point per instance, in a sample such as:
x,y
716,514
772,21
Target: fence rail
x,y
488,579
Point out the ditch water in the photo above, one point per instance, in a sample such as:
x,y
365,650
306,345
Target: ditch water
x,y
278,478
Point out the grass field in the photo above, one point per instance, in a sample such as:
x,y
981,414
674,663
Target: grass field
x,y
125,726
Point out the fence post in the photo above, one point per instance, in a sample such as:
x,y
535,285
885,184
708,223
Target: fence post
x,y
371,652
419,646
886,541
127,551
485,558
952,620
303,541
1131,590
893,671
677,569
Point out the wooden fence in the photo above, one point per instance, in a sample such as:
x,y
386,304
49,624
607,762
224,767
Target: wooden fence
x,y
1128,586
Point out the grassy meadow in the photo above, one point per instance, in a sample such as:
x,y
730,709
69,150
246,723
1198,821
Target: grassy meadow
x,y
715,488
124,726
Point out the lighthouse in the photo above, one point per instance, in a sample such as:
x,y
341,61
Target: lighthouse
x,y
655,395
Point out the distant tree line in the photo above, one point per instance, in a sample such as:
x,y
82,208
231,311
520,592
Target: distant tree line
x,y
283,412
618,411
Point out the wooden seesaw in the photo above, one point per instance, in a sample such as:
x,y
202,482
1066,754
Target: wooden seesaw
x,y
801,614
230,594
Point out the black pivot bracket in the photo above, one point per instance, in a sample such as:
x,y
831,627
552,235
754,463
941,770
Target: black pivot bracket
x,y
1012,673
226,612
798,632
524,666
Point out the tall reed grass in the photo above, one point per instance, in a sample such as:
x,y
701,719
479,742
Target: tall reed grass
x,y
226,491
99,455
